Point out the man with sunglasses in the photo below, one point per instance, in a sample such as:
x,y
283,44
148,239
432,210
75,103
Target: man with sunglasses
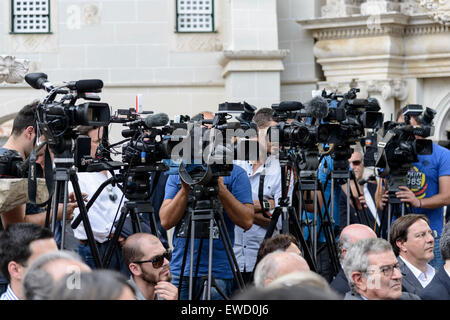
x,y
373,272
364,200
148,261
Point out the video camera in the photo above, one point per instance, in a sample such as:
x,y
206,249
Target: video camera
x,y
206,148
346,123
57,119
397,143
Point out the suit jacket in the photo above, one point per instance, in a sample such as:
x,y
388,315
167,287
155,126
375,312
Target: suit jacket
x,y
439,287
353,214
356,296
409,281
340,283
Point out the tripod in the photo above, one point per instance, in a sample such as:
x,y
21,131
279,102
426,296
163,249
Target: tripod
x,y
289,216
309,182
395,207
205,220
63,173
136,188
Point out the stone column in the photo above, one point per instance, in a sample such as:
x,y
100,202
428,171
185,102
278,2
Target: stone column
x,y
251,60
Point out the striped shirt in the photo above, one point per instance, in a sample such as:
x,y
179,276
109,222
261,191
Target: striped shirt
x,y
9,294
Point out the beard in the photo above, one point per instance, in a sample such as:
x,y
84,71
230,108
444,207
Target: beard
x,y
153,279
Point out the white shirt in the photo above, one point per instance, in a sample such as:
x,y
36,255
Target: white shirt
x,y
103,210
424,278
370,204
9,294
247,243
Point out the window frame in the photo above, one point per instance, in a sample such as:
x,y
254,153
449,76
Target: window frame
x,y
12,31
177,29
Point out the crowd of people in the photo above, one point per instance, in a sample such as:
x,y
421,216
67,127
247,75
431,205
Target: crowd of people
x,y
406,258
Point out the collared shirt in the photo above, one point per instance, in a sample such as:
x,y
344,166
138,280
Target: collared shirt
x,y
9,294
103,210
247,243
424,278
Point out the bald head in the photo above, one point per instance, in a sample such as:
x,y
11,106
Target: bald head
x,y
277,264
352,234
134,246
356,232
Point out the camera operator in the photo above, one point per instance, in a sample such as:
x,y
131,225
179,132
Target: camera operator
x,y
429,188
265,179
235,196
366,199
103,211
21,143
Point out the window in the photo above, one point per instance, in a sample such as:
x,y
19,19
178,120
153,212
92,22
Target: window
x,y
195,15
30,16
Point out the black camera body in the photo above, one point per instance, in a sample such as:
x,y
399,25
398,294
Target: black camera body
x,y
398,146
12,165
57,119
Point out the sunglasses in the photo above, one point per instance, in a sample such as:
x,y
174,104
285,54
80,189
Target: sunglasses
x,y
111,194
356,162
158,261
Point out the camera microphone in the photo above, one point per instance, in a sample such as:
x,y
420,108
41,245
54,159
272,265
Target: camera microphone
x,y
287,106
156,120
88,85
317,107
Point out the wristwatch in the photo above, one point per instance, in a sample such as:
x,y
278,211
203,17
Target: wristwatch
x,y
266,205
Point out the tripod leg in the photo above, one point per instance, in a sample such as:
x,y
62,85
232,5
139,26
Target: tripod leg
x,y
306,251
109,251
229,251
273,223
86,223
183,262
63,226
55,205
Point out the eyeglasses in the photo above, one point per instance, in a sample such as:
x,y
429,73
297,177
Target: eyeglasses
x,y
386,270
356,162
158,261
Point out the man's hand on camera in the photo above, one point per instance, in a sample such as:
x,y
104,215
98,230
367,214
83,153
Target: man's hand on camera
x,y
166,290
406,195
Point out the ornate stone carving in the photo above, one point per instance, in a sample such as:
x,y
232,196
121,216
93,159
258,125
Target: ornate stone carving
x,y
91,14
377,7
389,89
340,8
13,70
439,10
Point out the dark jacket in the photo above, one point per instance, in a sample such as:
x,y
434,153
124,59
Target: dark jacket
x,y
356,296
439,287
409,281
361,218
340,283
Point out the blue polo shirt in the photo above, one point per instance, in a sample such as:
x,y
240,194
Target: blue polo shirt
x,y
239,185
423,180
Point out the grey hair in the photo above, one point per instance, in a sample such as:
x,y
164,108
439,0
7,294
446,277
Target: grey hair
x,y
37,283
445,242
357,259
267,268
100,284
344,242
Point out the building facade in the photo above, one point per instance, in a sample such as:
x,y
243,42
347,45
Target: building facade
x,y
186,56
